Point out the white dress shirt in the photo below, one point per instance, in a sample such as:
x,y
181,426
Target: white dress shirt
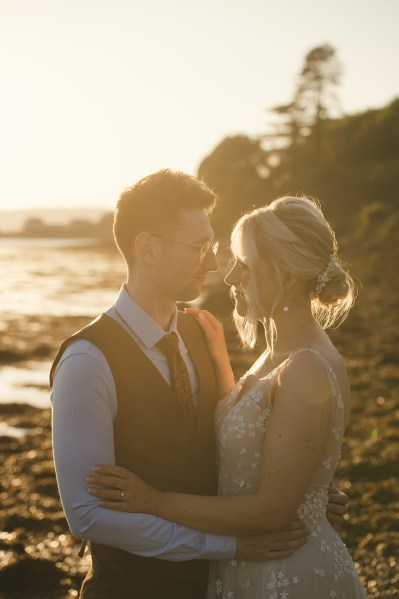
x,y
84,406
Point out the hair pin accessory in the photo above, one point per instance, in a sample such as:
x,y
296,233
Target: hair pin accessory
x,y
323,278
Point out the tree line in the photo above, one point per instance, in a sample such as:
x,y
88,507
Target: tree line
x,y
350,163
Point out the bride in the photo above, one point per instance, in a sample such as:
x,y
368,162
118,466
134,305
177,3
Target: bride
x,y
280,428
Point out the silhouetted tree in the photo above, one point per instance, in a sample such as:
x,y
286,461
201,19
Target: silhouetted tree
x,y
315,98
350,163
359,166
236,170
313,103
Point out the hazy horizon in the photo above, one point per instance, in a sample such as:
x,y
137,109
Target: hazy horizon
x,y
12,221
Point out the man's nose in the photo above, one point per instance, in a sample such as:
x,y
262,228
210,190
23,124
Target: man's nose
x,y
210,262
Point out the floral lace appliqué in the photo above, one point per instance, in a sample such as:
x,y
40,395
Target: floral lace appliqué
x,y
314,506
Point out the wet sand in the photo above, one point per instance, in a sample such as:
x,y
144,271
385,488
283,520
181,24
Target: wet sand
x,y
38,555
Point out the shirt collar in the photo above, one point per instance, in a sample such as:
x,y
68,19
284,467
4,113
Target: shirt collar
x,y
142,324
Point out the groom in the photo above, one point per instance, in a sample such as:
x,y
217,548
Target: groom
x,y
137,387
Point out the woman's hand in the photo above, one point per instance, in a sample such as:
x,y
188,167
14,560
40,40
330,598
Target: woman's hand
x,y
213,330
122,490
214,334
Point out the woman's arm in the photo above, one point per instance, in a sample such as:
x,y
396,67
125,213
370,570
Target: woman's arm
x,y
214,334
293,448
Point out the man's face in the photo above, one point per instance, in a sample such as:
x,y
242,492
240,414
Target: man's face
x,y
180,274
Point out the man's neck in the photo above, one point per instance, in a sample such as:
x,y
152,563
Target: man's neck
x,y
162,311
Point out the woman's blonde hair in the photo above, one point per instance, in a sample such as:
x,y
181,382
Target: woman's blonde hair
x,y
293,235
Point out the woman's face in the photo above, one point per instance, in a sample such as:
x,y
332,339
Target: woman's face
x,y
237,278
267,285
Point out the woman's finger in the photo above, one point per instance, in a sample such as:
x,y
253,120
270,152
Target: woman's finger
x,y
197,312
105,481
112,494
205,315
113,470
208,328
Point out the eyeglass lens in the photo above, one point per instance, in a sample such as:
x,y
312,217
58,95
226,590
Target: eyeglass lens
x,y
207,247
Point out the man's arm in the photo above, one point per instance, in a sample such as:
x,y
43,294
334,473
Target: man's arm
x,y
84,406
273,545
337,507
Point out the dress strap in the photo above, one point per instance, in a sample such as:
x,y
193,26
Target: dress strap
x,y
332,377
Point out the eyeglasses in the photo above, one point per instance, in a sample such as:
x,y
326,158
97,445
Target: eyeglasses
x,y
203,249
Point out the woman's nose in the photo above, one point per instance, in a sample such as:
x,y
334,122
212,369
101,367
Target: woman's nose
x,y
233,277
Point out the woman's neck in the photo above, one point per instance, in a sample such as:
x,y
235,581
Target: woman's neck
x,y
295,329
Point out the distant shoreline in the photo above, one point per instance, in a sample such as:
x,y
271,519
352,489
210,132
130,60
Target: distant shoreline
x,y
54,242
13,221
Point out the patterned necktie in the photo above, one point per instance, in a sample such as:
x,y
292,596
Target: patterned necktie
x,y
180,380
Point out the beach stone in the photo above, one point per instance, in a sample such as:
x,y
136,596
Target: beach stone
x,y
29,575
13,546
27,523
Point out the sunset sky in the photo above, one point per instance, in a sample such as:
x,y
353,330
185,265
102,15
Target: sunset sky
x,y
96,94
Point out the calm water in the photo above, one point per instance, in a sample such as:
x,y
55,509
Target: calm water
x,y
57,277
50,277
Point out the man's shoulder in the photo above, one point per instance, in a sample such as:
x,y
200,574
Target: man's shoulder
x,y
183,316
81,346
188,323
102,321
82,351
81,343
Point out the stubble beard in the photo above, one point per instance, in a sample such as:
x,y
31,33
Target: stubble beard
x,y
189,293
185,293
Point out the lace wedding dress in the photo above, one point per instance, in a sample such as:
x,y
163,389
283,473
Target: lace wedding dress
x,y
322,568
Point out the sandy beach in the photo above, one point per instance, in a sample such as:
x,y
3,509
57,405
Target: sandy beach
x,y
38,555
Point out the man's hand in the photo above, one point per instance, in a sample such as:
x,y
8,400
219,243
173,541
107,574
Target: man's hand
x,y
273,545
337,510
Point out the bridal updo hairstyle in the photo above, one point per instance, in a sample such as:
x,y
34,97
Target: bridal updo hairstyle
x,y
293,235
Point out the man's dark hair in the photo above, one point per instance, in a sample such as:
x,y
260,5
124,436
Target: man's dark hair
x,y
154,203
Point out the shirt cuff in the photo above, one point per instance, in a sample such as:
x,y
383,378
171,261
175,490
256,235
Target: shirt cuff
x,y
219,547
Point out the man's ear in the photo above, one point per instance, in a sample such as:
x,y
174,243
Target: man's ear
x,y
144,248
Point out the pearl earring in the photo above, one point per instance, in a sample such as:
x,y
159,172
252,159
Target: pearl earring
x,y
286,309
